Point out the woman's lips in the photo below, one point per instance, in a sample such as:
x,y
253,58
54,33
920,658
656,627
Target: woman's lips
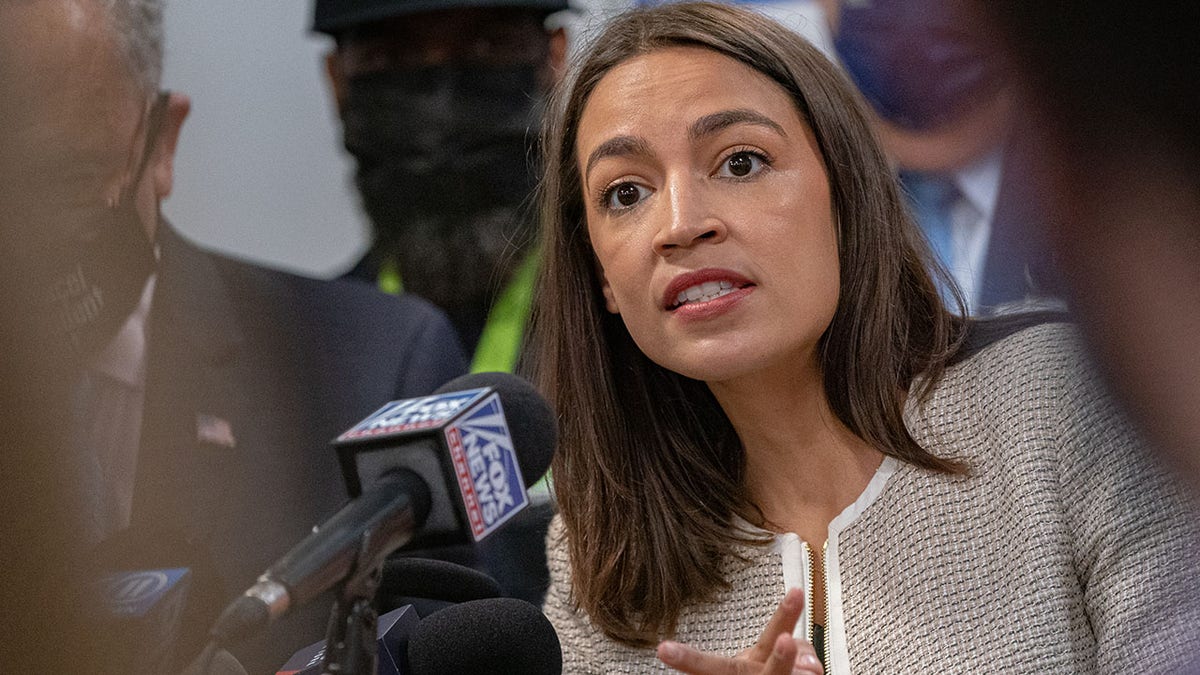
x,y
704,292
709,309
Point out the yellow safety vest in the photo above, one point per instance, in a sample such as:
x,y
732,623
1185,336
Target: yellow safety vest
x,y
500,343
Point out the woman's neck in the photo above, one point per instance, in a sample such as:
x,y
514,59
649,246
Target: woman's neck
x,y
803,466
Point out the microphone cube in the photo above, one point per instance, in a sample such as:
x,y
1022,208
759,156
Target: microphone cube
x,y
145,611
459,443
391,635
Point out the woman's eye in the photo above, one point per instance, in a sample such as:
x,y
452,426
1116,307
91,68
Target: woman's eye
x,y
624,195
741,164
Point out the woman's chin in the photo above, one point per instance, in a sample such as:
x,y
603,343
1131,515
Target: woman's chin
x,y
713,365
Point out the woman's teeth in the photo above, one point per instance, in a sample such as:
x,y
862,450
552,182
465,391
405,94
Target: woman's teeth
x,y
709,290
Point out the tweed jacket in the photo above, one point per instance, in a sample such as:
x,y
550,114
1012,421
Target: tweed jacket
x,y
1067,549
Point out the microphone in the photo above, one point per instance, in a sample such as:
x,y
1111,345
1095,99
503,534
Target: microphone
x,y
400,476
499,635
354,541
479,441
152,589
411,577
391,636
435,580
144,612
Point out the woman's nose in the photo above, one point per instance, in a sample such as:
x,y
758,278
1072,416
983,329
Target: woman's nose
x,y
686,221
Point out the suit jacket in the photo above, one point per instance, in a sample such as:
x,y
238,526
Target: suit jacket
x,y
250,373
1020,263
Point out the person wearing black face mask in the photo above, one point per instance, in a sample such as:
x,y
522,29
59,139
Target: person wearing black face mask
x,y
943,108
151,393
440,103
85,281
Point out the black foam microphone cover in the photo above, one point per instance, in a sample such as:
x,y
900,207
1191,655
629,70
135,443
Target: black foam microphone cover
x,y
498,635
436,580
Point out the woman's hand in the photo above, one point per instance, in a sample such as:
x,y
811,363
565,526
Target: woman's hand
x,y
775,653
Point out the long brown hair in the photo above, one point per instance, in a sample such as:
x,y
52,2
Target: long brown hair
x,y
649,472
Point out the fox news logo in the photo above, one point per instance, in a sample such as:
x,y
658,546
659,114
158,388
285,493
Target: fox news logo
x,y
413,414
485,464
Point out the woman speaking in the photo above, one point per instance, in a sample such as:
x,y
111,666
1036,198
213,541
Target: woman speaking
x,y
760,389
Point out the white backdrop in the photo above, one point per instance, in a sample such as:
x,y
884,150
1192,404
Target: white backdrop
x,y
260,171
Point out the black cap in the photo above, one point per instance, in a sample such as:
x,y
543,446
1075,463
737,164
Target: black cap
x,y
333,16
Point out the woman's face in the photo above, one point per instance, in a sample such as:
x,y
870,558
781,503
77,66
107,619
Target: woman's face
x,y
708,209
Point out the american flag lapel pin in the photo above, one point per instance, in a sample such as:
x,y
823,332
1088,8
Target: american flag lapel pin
x,y
214,430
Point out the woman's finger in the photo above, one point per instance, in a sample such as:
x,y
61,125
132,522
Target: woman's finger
x,y
782,660
807,661
782,622
788,656
691,660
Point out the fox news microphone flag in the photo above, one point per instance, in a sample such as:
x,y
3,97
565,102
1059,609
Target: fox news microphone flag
x,y
478,442
402,480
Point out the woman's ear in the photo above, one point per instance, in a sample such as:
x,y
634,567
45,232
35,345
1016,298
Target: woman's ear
x,y
610,300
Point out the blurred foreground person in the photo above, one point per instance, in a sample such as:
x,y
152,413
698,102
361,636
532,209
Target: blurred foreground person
x,y
777,445
180,403
1113,91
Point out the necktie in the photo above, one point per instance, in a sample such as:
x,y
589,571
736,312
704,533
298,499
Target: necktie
x,y
933,198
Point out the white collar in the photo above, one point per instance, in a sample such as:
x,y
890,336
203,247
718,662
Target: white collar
x,y
979,182
124,358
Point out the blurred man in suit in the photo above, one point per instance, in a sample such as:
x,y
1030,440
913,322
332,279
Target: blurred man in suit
x,y
942,100
196,394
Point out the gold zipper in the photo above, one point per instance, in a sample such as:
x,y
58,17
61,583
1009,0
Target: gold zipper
x,y
810,627
809,631
828,633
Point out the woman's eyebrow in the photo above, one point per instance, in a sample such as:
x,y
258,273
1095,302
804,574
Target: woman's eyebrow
x,y
617,146
719,121
624,146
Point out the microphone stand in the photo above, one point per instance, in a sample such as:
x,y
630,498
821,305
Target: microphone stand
x,y
350,647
